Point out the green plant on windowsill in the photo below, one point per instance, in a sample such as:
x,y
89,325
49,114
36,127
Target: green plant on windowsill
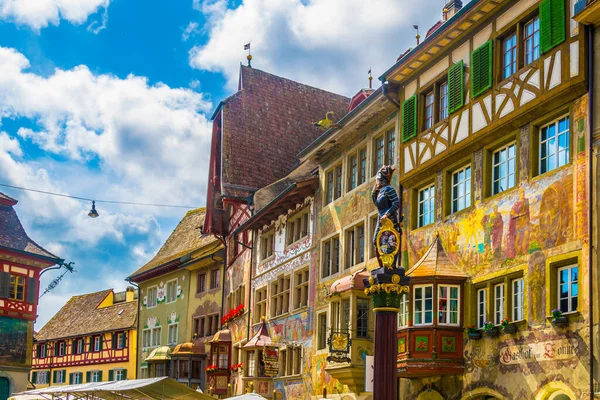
x,y
473,333
507,327
490,329
558,319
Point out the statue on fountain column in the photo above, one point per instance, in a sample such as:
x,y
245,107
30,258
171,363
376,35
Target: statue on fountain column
x,y
386,238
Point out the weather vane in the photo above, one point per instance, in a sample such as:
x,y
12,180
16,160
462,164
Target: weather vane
x,y
370,79
249,56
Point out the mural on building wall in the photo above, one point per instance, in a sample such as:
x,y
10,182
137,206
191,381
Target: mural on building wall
x,y
13,341
542,217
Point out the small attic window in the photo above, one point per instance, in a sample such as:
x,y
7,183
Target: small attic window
x,y
120,311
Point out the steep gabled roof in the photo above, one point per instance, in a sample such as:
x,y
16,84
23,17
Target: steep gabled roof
x,y
266,124
185,238
435,262
13,235
80,316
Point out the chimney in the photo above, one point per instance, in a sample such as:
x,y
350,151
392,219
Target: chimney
x,y
451,8
129,294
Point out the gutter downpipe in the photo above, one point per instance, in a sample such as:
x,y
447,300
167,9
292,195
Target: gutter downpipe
x,y
384,86
590,71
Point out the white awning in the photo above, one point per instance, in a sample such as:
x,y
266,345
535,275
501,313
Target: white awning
x,y
142,389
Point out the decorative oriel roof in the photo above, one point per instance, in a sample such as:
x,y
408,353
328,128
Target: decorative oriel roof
x,y
159,354
80,317
266,123
224,335
261,338
12,234
186,237
350,282
189,348
435,262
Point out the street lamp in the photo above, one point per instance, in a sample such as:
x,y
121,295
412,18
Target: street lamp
x,y
93,213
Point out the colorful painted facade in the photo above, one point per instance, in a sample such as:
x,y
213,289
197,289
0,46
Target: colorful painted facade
x,y
21,263
168,285
493,167
92,338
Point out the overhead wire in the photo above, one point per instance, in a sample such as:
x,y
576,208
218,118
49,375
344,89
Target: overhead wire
x,y
97,201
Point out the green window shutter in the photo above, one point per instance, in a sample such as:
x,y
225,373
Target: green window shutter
x,y
71,378
111,375
100,376
81,377
34,377
55,344
4,284
124,374
73,346
91,346
101,337
54,376
456,87
88,376
124,340
409,118
552,24
481,69
113,341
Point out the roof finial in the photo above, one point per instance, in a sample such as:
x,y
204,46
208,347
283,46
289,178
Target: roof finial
x,y
417,35
370,79
249,56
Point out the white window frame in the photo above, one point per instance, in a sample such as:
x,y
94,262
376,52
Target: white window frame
x,y
403,313
95,376
422,300
173,283
172,337
466,187
77,378
507,163
62,348
119,341
328,265
499,295
42,351
322,339
280,295
119,374
96,340
42,377
155,332
152,289
555,149
260,303
449,299
570,282
353,247
518,297
60,376
80,346
430,202
481,307
301,285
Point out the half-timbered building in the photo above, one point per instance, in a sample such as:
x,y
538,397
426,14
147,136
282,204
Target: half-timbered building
x,y
92,338
21,262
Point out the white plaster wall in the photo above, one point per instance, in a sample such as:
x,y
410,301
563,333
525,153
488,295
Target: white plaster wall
x,y
509,15
427,76
482,36
410,89
461,53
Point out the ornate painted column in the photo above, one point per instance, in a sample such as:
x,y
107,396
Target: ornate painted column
x,y
386,285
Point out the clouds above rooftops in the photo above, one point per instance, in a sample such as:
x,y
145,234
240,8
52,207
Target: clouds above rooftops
x,y
38,14
326,43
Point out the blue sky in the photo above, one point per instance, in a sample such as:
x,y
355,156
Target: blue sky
x,y
111,99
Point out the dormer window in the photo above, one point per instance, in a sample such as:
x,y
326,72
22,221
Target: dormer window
x,y
16,288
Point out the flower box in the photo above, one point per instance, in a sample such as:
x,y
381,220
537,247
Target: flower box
x,y
492,332
510,328
474,335
560,322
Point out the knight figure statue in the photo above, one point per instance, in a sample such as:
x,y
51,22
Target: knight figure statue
x,y
386,238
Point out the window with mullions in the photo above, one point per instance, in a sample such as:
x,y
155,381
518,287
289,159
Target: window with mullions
x,y
355,245
16,289
423,305
322,331
532,40
429,113
385,150
504,168
509,55
461,189
331,257
517,299
443,101
448,304
555,145
352,172
260,304
426,200
403,314
481,307
362,318
333,189
498,303
568,288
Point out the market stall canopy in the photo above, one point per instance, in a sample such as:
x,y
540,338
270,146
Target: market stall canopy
x,y
249,396
139,389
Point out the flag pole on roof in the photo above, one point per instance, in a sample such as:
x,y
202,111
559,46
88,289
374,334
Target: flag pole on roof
x,y
249,56
370,79
417,35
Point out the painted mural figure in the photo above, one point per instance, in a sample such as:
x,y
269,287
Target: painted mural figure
x,y
497,225
386,200
517,242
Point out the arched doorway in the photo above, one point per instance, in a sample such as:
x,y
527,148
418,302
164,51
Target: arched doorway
x,y
4,388
555,391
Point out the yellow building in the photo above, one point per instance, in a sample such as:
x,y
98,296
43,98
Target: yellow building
x,y
92,338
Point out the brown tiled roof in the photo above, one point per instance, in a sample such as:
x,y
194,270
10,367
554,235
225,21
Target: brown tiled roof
x,y
261,338
266,124
81,317
435,262
186,237
12,234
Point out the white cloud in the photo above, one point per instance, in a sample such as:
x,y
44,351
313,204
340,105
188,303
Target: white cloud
x,y
326,43
39,14
190,30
